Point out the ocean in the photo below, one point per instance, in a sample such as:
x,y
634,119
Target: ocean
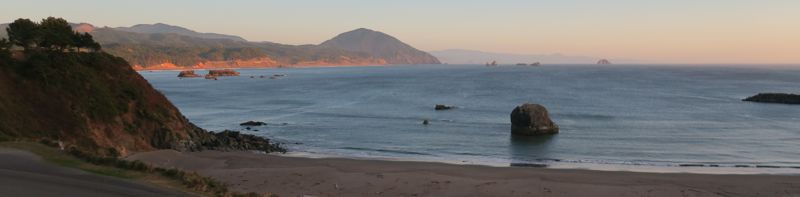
x,y
626,116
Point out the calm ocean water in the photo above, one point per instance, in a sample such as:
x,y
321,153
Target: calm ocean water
x,y
628,115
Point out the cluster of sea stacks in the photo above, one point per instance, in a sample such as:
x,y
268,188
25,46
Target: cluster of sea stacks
x,y
212,74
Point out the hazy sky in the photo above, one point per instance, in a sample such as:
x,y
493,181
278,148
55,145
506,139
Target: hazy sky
x,y
663,31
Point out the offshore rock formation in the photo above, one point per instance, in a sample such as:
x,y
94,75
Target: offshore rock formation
x,y
532,119
222,73
603,62
442,107
253,123
188,74
781,98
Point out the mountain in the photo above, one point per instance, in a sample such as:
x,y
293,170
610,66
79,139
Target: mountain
x,y
174,51
161,46
461,56
162,28
380,45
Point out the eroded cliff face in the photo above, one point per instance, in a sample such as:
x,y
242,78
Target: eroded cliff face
x,y
97,103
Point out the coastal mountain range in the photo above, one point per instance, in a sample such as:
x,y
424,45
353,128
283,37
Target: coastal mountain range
x,y
165,28
161,46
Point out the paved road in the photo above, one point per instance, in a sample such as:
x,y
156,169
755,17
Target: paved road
x,y
24,174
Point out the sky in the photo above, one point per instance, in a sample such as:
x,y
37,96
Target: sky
x,y
649,31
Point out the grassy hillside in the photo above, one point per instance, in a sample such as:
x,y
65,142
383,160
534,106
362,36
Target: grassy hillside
x,y
61,88
97,103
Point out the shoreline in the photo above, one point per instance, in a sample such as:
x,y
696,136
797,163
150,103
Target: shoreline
x,y
296,176
691,168
272,67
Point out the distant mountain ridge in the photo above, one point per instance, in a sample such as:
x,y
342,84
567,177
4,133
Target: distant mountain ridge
x,y
462,56
165,28
161,46
380,45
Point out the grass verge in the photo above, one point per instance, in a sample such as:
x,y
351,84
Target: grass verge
x,y
187,182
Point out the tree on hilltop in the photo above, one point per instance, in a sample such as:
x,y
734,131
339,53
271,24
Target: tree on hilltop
x,y
24,33
54,34
85,40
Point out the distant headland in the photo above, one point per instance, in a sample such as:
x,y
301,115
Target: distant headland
x,y
166,47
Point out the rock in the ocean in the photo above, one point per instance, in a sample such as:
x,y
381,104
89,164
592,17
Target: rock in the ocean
x,y
188,74
782,98
425,122
443,107
603,61
253,123
532,119
223,73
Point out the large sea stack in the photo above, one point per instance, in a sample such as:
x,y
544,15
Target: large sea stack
x,y
532,119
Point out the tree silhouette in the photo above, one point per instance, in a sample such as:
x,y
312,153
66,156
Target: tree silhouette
x,y
24,33
56,34
86,41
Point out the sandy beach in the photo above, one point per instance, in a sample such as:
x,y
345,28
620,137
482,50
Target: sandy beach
x,y
293,176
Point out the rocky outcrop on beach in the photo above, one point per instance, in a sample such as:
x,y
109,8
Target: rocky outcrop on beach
x,y
532,119
188,74
232,140
782,98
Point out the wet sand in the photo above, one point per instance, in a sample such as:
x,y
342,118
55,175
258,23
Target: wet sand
x,y
293,176
25,174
